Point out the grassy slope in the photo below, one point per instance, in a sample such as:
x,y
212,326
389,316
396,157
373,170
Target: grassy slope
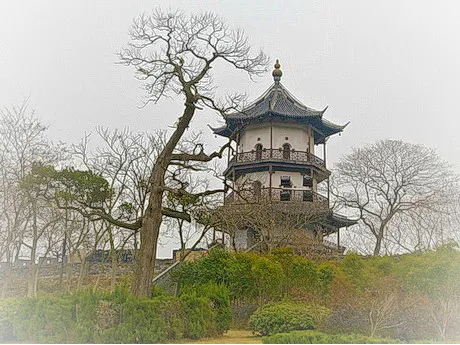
x,y
231,337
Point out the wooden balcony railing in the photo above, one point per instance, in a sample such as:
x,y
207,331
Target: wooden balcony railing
x,y
277,155
334,246
274,194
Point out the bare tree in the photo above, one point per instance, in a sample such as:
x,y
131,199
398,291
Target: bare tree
x,y
391,181
190,234
125,161
275,224
381,312
23,142
174,55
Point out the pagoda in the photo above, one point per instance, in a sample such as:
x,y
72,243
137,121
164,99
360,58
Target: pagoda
x,y
274,142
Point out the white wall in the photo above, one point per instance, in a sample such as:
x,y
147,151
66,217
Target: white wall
x,y
299,137
248,139
264,178
247,179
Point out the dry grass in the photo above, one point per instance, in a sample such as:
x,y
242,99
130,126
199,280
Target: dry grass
x,y
233,336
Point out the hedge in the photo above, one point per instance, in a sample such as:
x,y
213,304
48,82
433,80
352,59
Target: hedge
x,y
287,316
315,337
208,310
115,317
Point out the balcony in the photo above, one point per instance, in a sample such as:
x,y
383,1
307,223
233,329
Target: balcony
x,y
280,155
274,195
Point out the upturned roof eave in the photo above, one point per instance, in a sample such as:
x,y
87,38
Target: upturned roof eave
x,y
274,88
324,128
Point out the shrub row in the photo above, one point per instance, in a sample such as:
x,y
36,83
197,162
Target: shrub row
x,y
287,316
257,278
314,337
116,318
414,287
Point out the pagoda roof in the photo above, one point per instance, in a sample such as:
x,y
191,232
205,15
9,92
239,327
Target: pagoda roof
x,y
340,220
277,103
277,99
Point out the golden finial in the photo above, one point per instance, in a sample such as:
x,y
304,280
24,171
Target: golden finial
x,y
277,73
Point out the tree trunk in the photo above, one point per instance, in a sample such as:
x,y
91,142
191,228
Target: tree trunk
x,y
379,237
33,252
83,255
69,273
142,284
37,274
31,280
153,217
378,245
32,270
113,271
64,249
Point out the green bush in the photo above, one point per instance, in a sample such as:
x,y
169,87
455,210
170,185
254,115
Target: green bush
x,y
146,321
287,316
43,320
116,317
208,310
211,268
241,284
86,304
314,337
268,278
220,300
7,308
199,315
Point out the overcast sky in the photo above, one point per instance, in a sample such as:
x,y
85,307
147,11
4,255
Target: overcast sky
x,y
390,67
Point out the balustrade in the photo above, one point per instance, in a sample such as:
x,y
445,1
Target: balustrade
x,y
278,155
274,195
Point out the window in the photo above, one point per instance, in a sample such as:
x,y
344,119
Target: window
x,y
307,195
285,195
258,152
286,181
307,179
287,151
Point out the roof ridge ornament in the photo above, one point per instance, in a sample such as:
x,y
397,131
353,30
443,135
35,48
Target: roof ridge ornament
x,y
277,73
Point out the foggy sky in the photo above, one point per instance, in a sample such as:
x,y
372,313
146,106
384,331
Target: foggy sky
x,y
390,67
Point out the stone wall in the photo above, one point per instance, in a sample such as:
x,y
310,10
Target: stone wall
x,y
92,268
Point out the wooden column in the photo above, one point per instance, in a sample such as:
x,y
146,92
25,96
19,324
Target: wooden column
x,y
338,238
271,138
270,173
328,182
229,149
324,152
270,169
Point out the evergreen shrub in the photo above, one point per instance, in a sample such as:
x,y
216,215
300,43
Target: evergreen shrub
x,y
43,320
315,337
146,320
117,317
208,310
7,308
287,316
